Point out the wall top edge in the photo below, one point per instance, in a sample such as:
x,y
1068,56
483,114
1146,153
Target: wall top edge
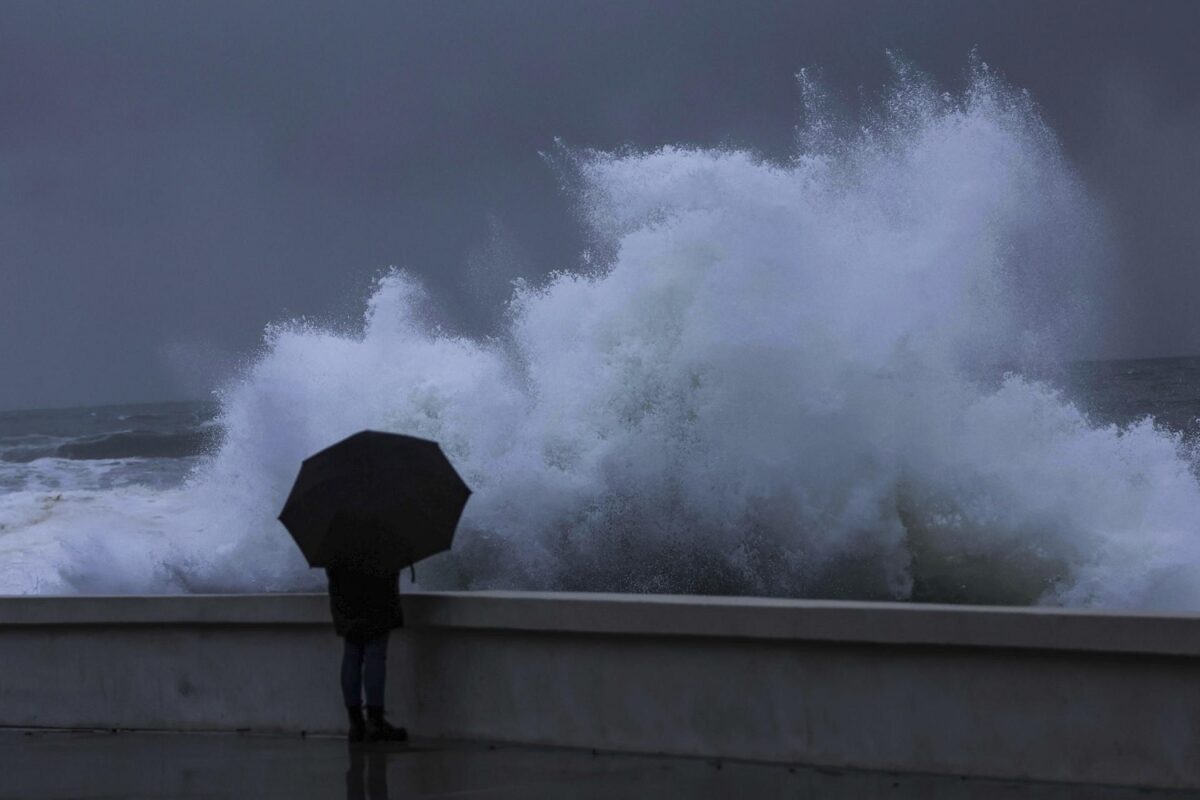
x,y
850,622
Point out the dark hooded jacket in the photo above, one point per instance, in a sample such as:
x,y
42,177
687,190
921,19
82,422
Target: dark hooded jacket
x,y
364,604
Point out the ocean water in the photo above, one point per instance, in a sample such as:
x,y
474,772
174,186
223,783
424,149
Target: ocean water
x,y
154,445
98,455
770,378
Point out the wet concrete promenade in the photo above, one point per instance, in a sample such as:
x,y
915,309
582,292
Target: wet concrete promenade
x,y
59,765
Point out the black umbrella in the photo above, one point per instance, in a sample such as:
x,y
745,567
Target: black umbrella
x,y
375,500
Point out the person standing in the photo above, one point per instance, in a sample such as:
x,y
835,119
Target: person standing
x,y
366,607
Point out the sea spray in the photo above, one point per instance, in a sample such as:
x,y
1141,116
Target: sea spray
x,y
768,383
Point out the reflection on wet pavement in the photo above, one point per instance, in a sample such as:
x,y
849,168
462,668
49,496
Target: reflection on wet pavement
x,y
59,765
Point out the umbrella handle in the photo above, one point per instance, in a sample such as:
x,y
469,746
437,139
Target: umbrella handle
x,y
412,562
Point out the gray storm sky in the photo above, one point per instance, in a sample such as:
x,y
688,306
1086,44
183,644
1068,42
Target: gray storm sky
x,y
173,176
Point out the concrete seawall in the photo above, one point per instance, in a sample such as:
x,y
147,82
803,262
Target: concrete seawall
x,y
1016,693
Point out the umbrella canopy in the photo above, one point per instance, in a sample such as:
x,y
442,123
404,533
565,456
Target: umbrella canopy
x,y
375,500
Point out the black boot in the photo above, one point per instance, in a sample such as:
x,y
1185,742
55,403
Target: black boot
x,y
358,726
380,730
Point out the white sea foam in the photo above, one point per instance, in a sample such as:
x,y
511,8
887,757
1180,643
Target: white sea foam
x,y
764,388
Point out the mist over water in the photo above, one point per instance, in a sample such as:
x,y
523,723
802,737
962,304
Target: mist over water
x,y
770,378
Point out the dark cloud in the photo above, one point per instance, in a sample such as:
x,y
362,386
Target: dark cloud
x,y
175,175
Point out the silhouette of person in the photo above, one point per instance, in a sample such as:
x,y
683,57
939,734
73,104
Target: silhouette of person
x,y
365,603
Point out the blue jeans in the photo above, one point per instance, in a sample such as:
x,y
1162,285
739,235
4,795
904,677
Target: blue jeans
x,y
364,662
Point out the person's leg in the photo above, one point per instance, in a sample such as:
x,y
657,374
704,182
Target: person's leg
x,y
375,669
352,669
352,660
375,674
